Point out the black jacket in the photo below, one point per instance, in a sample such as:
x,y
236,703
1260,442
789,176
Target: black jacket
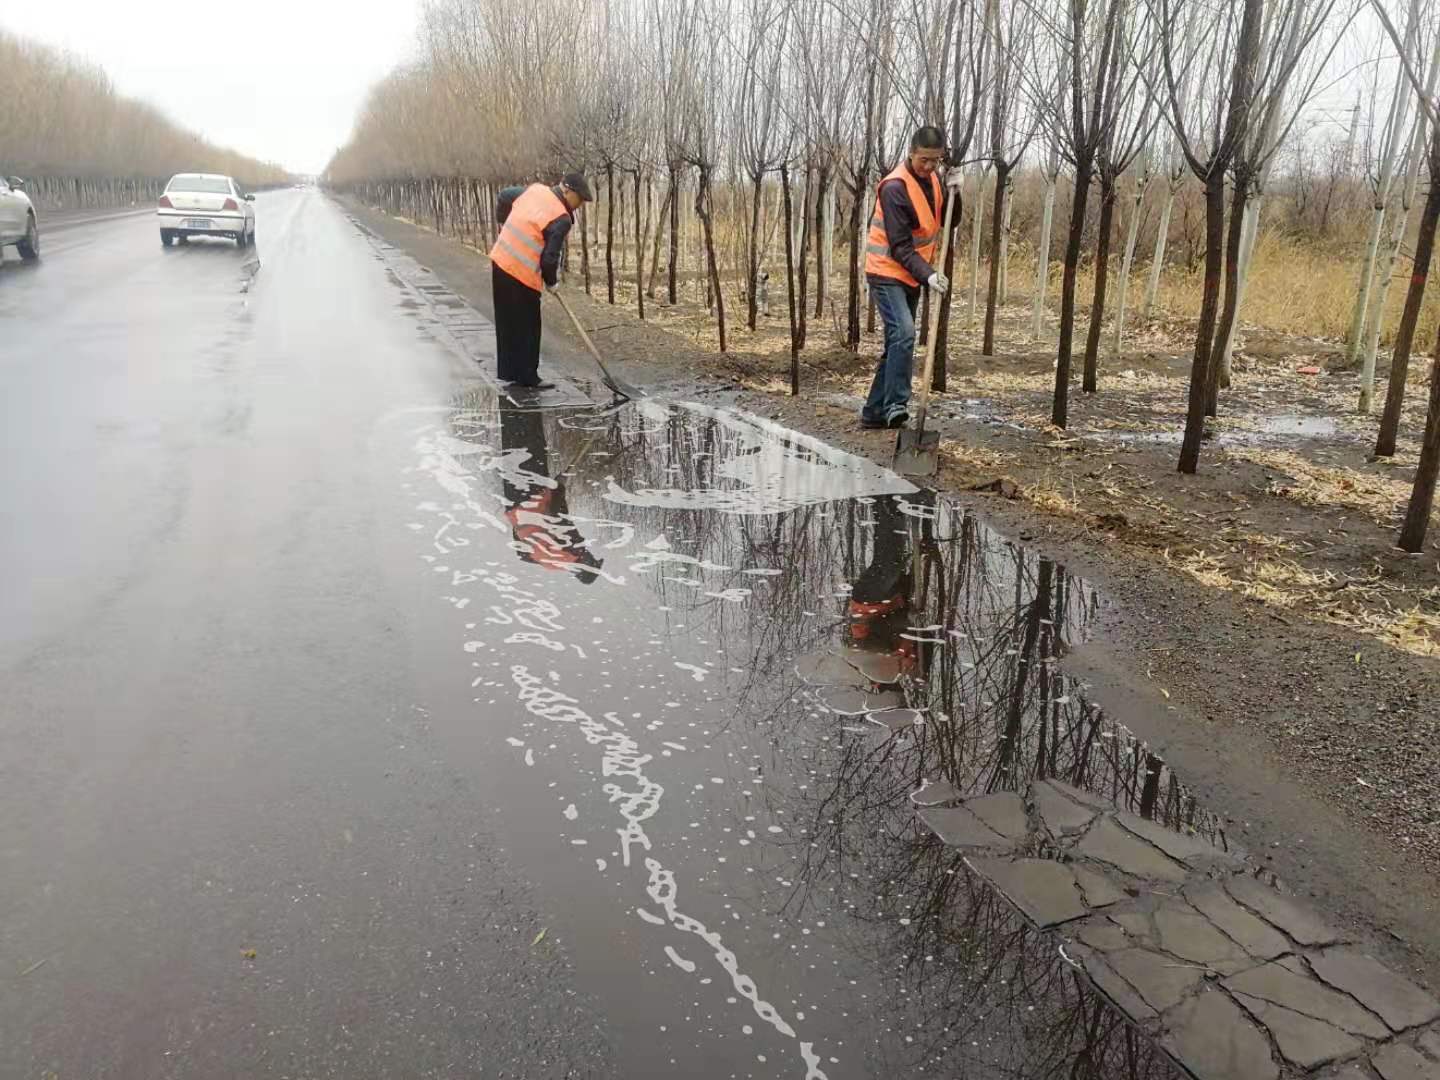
x,y
554,233
901,221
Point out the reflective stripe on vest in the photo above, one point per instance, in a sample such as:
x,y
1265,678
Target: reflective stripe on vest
x,y
521,241
877,246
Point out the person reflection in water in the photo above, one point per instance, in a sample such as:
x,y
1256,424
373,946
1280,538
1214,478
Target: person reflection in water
x,y
881,601
538,514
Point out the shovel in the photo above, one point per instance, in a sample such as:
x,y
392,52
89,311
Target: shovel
x,y
917,451
619,389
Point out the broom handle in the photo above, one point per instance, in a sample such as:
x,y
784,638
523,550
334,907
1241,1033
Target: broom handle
x,y
585,337
936,303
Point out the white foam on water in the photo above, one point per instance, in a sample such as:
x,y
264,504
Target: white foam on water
x,y
687,966
770,470
696,671
571,813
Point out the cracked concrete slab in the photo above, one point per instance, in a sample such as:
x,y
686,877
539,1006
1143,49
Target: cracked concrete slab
x,y
1253,934
1080,795
1394,998
1400,1062
1430,1043
895,719
1303,1041
1121,994
1043,889
1183,847
1186,933
882,669
827,669
1061,815
1285,914
934,793
1214,1039
1107,842
1277,984
1161,980
1003,811
1104,935
958,827
1099,890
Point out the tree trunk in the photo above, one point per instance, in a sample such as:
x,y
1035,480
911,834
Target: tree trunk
x,y
1230,312
752,268
1059,413
940,377
702,195
1422,497
585,246
977,222
992,296
1005,246
674,197
655,243
1042,258
790,284
1157,261
610,232
1405,333
822,203
1090,380
639,251
1249,235
802,268
1205,329
858,223
1117,344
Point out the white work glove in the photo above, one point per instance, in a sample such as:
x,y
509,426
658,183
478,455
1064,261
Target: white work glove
x,y
938,282
955,179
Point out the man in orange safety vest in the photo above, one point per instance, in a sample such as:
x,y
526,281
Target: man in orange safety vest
x,y
534,222
899,255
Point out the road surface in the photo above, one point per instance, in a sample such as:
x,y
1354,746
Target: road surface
x,y
360,721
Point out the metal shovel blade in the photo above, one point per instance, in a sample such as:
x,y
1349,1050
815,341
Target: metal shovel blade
x,y
917,452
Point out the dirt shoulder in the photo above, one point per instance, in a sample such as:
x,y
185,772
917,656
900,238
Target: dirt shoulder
x,y
1262,633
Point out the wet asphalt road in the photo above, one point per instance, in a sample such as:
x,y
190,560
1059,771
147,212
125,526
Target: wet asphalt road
x,y
361,722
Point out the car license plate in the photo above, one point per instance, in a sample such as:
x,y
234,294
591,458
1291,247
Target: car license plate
x,y
197,223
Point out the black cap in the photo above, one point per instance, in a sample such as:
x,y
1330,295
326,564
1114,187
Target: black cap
x,y
576,182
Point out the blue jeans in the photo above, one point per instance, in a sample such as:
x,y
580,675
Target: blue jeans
x,y
890,392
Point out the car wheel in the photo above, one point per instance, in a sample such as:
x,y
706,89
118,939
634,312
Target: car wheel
x,y
29,247
166,237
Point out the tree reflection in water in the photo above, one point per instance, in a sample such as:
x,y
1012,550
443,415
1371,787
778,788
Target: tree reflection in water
x,y
922,598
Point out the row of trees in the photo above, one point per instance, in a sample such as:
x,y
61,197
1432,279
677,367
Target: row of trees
x,y
788,114
79,143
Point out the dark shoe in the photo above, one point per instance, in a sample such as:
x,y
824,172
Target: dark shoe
x,y
872,425
899,420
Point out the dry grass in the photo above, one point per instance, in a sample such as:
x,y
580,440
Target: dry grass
x,y
1380,498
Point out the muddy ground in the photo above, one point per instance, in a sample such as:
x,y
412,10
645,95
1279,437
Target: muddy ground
x,y
1263,633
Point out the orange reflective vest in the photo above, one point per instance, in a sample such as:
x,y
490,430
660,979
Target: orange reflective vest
x,y
877,247
521,241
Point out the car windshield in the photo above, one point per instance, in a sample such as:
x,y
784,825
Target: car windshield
x,y
213,185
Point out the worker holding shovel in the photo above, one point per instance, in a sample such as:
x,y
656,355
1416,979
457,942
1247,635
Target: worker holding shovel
x,y
899,255
525,259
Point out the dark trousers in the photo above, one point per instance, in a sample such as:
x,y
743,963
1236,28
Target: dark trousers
x,y
517,328
890,390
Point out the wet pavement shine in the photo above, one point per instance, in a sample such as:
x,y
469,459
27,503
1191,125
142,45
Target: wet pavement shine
x,y
364,720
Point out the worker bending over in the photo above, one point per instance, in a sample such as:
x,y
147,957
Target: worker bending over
x,y
525,259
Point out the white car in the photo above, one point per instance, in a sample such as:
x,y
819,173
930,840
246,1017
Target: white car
x,y
18,223
206,204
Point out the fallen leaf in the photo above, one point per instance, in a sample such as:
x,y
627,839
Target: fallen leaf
x,y
1165,692
248,954
538,938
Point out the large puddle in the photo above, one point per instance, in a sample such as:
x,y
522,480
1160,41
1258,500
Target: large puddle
x,y
715,660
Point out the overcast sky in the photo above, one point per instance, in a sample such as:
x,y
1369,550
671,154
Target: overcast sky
x,y
286,90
